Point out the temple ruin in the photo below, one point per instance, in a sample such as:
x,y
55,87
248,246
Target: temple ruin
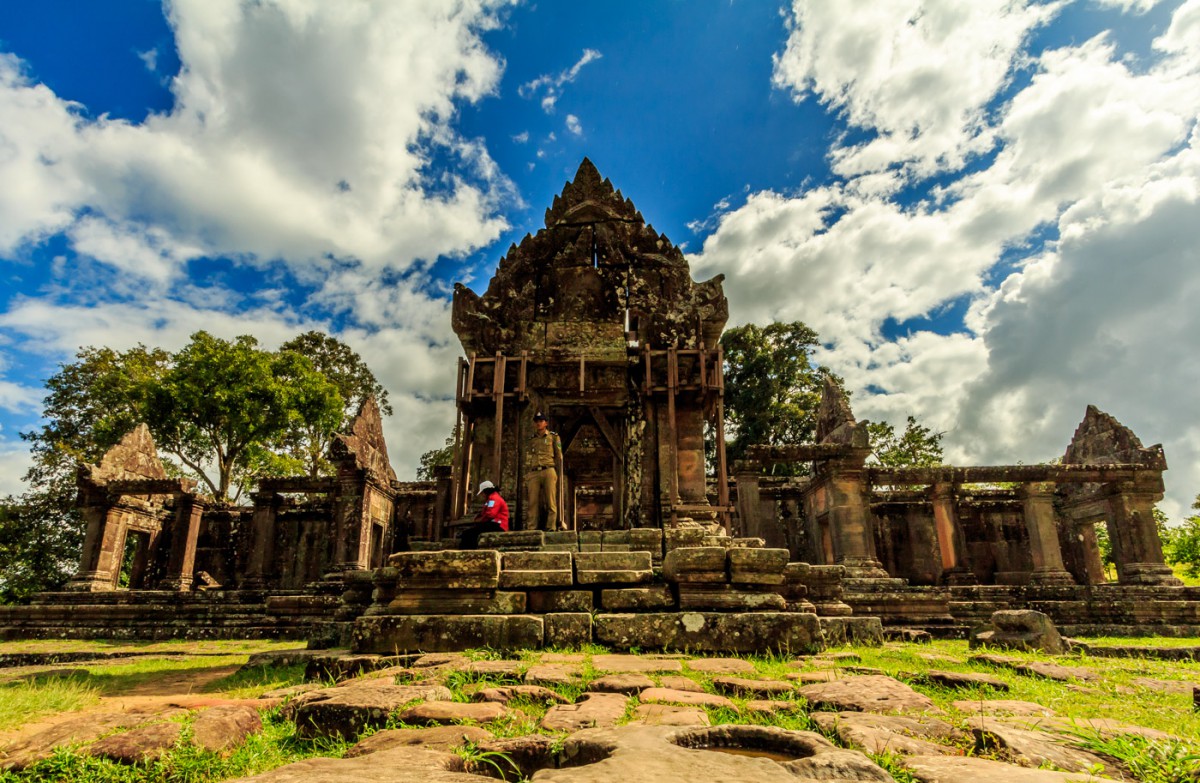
x,y
595,320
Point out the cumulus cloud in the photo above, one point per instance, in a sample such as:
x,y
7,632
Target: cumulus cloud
x,y
550,86
316,143
573,125
299,131
1087,150
918,73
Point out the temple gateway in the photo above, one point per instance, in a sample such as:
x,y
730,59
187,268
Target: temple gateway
x,y
596,321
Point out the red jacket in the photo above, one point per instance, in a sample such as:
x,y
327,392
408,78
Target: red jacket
x,y
494,510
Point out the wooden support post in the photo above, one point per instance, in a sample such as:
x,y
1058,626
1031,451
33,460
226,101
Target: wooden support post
x,y
672,432
464,492
471,377
582,376
522,393
647,382
722,469
498,435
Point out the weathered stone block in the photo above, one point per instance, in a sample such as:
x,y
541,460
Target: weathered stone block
x,y
727,598
638,599
676,538
428,601
454,570
446,633
614,538
590,537
548,601
758,561
590,548
593,568
571,630
536,569
646,539
1020,629
711,632
561,537
852,630
513,541
695,564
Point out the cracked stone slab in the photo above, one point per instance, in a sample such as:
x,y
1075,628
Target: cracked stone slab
x,y
592,711
900,734
688,698
868,693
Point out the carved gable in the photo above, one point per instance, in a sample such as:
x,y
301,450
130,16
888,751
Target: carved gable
x,y
364,444
1101,439
135,457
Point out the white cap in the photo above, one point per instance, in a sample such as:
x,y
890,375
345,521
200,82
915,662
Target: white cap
x,y
485,485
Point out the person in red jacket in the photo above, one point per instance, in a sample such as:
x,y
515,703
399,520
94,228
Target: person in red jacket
x,y
492,518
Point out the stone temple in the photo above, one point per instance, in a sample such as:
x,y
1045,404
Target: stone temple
x,y
596,320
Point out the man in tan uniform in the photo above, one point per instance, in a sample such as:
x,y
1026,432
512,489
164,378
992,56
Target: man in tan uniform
x,y
543,461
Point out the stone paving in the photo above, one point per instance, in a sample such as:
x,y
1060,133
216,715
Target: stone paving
x,y
587,718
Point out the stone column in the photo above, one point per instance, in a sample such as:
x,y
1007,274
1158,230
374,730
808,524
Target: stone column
x,y
350,511
1048,568
103,547
1137,549
262,541
185,529
849,517
746,479
952,543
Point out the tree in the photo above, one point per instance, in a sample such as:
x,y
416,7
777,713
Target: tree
x,y
435,458
224,412
1181,545
223,407
90,404
772,388
917,446
308,443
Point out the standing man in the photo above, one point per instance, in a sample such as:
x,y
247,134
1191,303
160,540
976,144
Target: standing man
x,y
492,517
543,461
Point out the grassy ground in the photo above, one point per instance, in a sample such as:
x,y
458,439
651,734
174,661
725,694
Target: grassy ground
x,y
217,647
1116,696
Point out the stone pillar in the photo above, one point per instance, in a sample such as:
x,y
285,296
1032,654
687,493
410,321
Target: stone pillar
x,y
1137,549
103,547
185,529
350,512
1089,553
849,517
1048,568
748,499
952,543
262,541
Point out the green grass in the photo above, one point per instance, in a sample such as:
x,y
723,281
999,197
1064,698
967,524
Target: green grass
x,y
1114,697
275,746
179,647
252,683
27,700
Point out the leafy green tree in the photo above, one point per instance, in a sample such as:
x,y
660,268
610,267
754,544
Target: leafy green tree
x,y
1181,545
225,412
435,458
90,404
222,405
772,387
917,446
307,443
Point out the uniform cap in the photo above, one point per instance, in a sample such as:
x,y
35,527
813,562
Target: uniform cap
x,y
540,416
485,485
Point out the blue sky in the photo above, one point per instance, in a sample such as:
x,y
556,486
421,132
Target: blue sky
x,y
987,210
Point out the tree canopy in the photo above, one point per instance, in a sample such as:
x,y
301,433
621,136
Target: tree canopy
x,y
917,446
772,387
225,412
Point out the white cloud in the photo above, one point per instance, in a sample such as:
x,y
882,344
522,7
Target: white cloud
x,y
14,461
1125,6
550,86
521,137
149,58
1104,155
919,73
573,125
300,131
